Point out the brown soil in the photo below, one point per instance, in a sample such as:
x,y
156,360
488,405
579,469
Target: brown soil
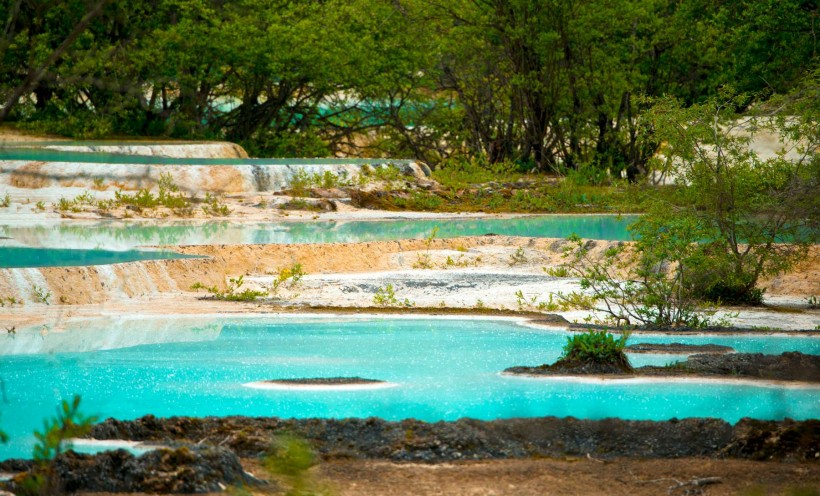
x,y
537,477
565,477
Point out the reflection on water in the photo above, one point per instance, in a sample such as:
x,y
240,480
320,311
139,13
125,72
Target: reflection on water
x,y
122,235
107,333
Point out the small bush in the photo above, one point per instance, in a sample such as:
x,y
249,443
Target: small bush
x,y
597,347
232,291
386,297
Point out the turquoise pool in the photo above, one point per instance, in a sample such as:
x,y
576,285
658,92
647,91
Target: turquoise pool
x,y
12,257
36,152
445,369
121,235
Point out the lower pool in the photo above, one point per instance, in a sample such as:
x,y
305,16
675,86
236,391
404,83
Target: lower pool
x,y
126,235
444,369
23,257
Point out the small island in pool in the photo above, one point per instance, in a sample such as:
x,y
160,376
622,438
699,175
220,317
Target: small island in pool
x,y
794,366
678,348
321,383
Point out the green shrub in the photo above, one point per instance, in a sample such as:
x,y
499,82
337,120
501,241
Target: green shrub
x,y
597,347
232,291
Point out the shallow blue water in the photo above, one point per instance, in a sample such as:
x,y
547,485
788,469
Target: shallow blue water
x,y
119,235
49,155
19,257
446,369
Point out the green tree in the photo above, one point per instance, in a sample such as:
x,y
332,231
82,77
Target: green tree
x,y
757,215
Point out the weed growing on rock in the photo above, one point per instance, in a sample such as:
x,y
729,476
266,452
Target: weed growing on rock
x,y
289,275
386,297
5,202
232,291
214,207
41,294
519,257
423,260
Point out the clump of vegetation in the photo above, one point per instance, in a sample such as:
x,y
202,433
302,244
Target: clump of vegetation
x,y
643,284
302,182
519,257
532,303
386,297
214,207
69,423
595,348
756,216
423,260
5,202
291,458
42,295
291,276
10,301
461,173
232,291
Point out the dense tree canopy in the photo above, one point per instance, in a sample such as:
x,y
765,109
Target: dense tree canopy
x,y
550,84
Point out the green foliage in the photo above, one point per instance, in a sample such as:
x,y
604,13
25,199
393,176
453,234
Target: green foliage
x,y
644,285
386,297
232,291
540,84
290,275
756,215
69,423
519,257
5,202
41,294
214,206
302,182
463,173
596,347
424,260
292,457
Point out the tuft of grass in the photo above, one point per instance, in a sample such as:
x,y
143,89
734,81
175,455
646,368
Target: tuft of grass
x,y
232,291
386,297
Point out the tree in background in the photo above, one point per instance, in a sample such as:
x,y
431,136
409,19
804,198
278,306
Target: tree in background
x,y
757,214
554,85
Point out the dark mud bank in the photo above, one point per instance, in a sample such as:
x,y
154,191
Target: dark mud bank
x,y
793,366
375,438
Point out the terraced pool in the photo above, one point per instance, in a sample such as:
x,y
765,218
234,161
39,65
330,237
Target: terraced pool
x,y
122,235
445,369
12,257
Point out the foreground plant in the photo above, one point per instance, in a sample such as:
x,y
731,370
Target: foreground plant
x,y
69,423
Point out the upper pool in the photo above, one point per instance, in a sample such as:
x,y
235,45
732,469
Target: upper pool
x,y
41,154
444,370
125,235
12,257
